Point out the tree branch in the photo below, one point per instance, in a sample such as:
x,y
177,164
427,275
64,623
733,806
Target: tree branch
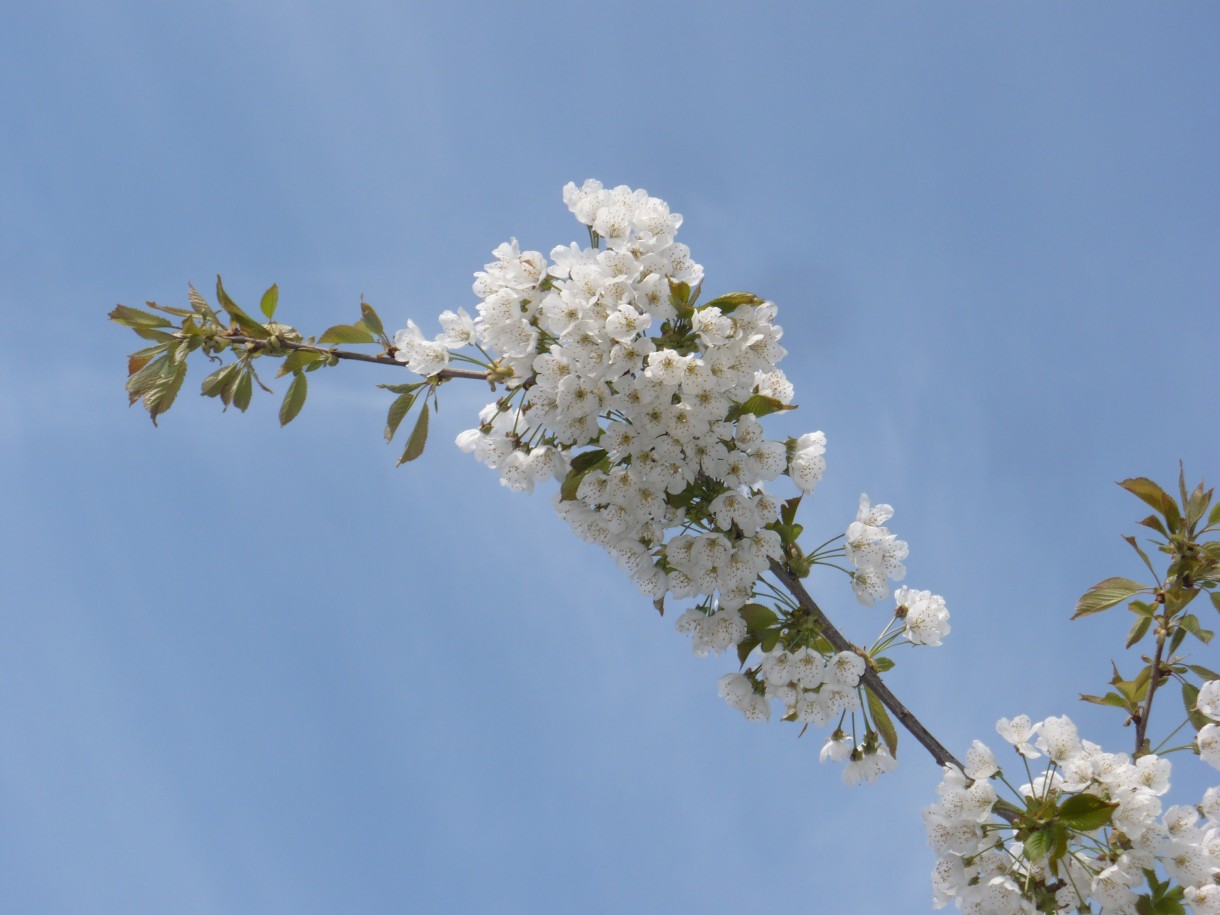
x,y
444,374
872,680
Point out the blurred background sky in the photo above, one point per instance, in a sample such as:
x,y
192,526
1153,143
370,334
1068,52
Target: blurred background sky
x,y
246,669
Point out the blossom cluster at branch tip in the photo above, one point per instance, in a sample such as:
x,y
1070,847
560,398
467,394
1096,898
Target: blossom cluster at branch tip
x,y
980,864
646,406
609,362
874,551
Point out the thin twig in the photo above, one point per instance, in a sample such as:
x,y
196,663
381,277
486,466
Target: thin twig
x,y
872,680
358,357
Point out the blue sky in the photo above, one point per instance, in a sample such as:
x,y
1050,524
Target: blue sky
x,y
247,669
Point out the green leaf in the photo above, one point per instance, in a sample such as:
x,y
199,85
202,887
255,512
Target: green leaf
x,y
726,303
398,409
403,388
883,664
1215,599
1086,812
1153,495
346,333
1142,608
247,324
231,381
587,460
298,360
759,405
1144,556
1197,503
270,299
154,334
176,312
1106,594
1038,843
148,375
1138,630
160,393
1111,699
1213,517
215,382
1154,522
679,297
578,467
1176,640
419,436
745,646
769,639
1190,623
198,302
881,718
758,617
141,358
1202,672
243,391
294,399
1190,697
370,319
133,317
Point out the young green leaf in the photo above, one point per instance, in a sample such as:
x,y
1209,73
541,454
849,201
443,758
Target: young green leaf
x,y
141,358
402,388
1190,623
745,646
269,300
370,319
419,437
248,325
1138,630
1152,494
1086,812
881,718
758,617
216,381
139,383
346,333
1039,843
1106,594
134,318
729,301
1152,521
1190,697
759,405
398,409
1112,699
294,399
298,360
160,396
243,391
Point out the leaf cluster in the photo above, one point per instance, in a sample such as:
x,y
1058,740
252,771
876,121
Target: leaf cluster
x,y
235,340
1191,557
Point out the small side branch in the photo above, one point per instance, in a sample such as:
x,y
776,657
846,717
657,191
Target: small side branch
x,y
871,678
444,374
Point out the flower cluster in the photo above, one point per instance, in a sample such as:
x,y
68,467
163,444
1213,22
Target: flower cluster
x,y
874,551
646,406
1208,739
925,616
1091,826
